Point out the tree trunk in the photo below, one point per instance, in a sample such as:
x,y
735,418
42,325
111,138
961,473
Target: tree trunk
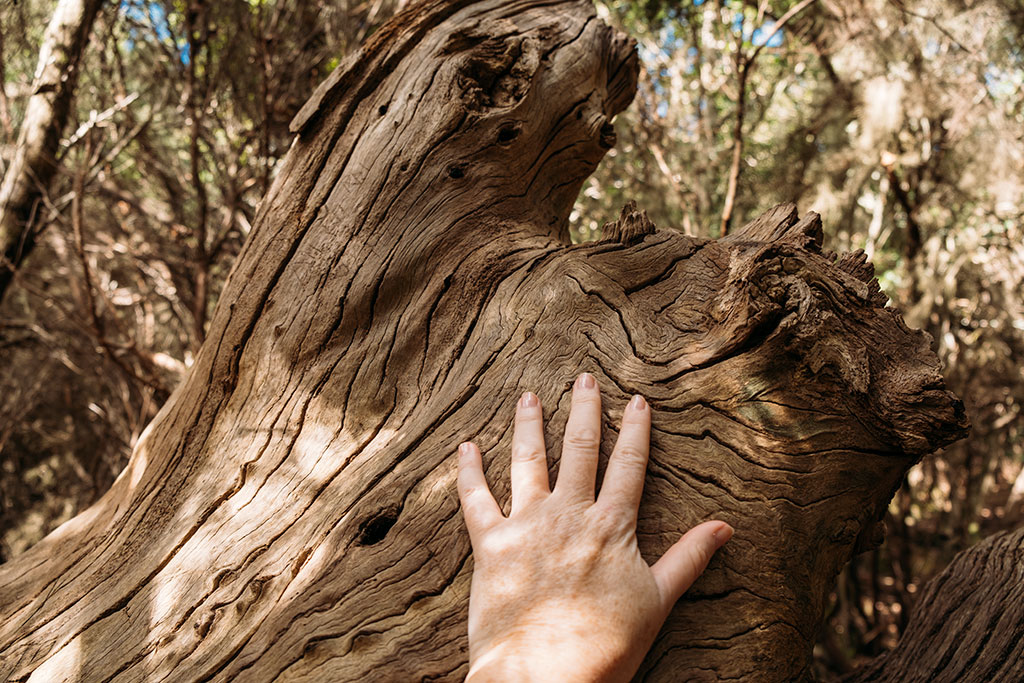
x,y
968,626
291,513
28,177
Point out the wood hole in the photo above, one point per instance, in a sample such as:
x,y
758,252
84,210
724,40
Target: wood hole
x,y
376,528
507,134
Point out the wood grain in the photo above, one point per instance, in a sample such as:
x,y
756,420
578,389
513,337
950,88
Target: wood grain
x,y
968,623
291,513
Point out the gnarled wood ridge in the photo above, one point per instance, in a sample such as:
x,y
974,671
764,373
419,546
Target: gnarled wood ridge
x,y
291,514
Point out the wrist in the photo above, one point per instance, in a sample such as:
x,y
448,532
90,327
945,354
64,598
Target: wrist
x,y
495,667
555,660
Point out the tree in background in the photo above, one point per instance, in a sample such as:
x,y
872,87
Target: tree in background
x,y
33,163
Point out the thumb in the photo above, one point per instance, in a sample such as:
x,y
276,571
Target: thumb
x,y
681,564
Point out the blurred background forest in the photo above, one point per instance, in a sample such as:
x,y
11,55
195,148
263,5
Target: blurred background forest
x,y
900,121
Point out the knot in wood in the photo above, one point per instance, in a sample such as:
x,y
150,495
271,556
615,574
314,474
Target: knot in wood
x,y
497,73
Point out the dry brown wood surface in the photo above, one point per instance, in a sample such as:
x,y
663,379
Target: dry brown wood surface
x,y
291,513
968,623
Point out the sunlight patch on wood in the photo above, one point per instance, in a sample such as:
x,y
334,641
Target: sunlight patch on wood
x,y
318,455
137,467
65,665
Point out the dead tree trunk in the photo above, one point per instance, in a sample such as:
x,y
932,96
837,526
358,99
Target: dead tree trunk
x,y
291,513
27,179
968,624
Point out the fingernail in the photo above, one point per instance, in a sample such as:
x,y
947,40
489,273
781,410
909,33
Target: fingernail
x,y
465,448
585,381
638,403
528,400
722,534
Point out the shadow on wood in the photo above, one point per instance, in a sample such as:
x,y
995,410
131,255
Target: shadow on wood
x,y
291,513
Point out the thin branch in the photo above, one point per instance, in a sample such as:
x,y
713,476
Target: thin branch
x,y
783,20
196,42
5,112
744,65
96,319
934,22
96,119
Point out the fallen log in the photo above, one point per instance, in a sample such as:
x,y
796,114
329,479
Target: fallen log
x,y
291,512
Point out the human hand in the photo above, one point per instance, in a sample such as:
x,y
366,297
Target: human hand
x,y
560,591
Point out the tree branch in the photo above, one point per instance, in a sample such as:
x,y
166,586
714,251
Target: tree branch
x,y
744,64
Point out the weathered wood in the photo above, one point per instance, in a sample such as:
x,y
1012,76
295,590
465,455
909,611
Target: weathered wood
x,y
291,513
968,623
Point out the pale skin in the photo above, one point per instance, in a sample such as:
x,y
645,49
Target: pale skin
x,y
560,591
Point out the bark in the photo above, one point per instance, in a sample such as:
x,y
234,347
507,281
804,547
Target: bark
x,y
291,513
968,626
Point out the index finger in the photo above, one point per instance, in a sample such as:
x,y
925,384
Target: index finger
x,y
624,478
